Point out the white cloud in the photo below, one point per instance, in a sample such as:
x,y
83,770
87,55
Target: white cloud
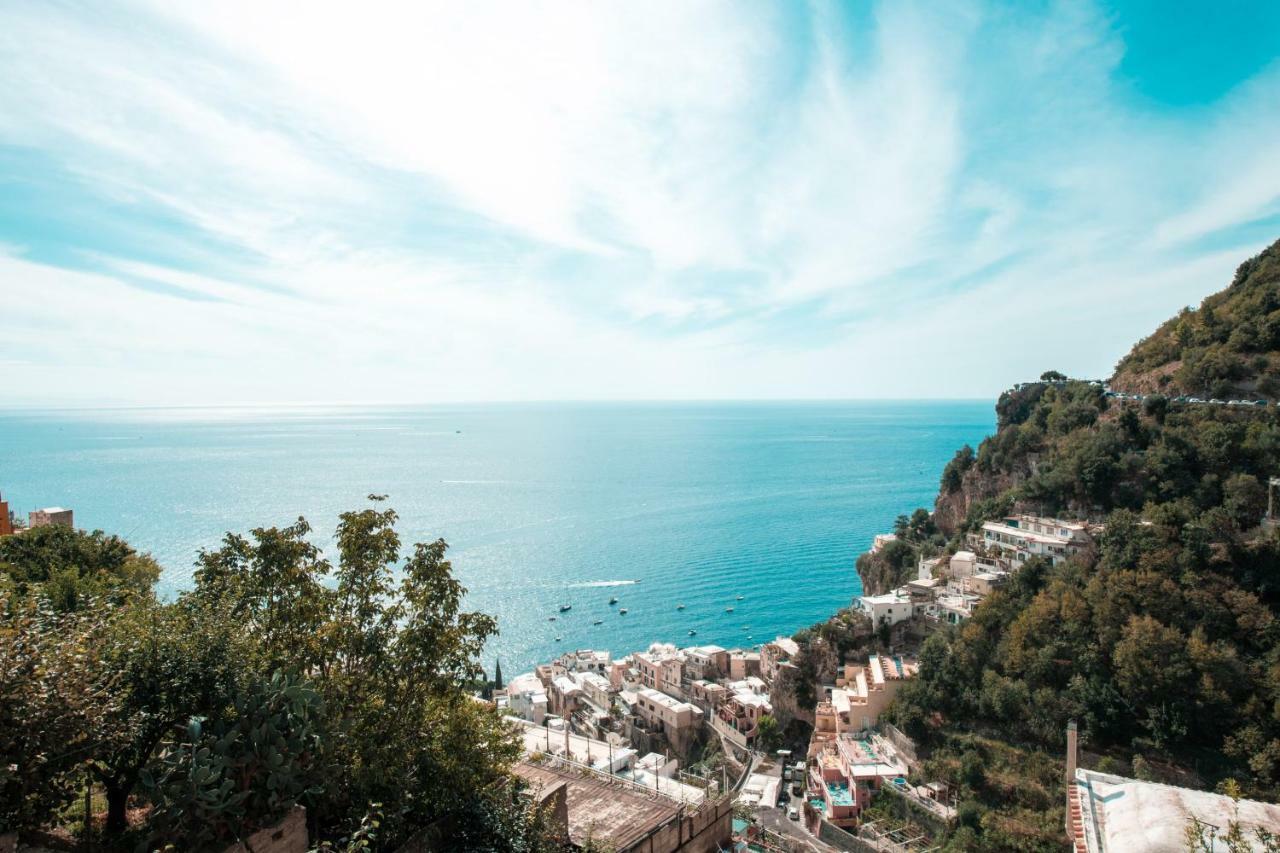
x,y
492,201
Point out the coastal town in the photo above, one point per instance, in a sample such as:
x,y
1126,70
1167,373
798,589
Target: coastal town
x,y
682,748
697,728
704,748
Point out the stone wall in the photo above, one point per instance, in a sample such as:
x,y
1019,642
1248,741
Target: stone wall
x,y
701,831
841,840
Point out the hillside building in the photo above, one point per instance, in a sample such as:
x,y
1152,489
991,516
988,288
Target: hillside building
x,y
50,515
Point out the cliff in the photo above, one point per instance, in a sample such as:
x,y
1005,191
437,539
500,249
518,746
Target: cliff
x,y
1161,641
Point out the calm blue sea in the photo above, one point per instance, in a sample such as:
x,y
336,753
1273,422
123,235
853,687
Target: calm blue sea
x,y
542,504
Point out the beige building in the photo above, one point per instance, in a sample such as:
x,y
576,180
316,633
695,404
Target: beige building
x,y
743,664
707,695
775,655
50,515
663,713
706,662
660,668
862,693
1114,814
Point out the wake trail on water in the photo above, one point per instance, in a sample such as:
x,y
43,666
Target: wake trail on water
x,y
592,584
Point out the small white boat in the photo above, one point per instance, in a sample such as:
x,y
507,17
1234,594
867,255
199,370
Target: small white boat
x,y
739,598
564,607
598,622
679,607
728,610
623,611
693,633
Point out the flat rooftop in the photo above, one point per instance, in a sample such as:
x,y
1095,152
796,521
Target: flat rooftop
x,y
609,813
1129,816
660,698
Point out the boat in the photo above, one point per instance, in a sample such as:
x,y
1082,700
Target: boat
x,y
692,633
557,639
598,622
739,598
679,607
551,618
564,607
728,610
623,612
613,600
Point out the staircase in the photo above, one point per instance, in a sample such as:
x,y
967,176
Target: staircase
x,y
1075,820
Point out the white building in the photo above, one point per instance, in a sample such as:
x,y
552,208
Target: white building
x,y
596,688
1019,538
525,697
658,764
587,660
881,540
891,607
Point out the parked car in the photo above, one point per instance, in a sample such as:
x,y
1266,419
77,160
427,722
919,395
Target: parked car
x,y
793,813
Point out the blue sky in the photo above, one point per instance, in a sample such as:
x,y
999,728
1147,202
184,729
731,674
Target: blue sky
x,y
238,202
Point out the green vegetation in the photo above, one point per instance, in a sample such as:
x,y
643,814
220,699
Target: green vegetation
x,y
895,563
69,566
1161,642
1225,348
280,679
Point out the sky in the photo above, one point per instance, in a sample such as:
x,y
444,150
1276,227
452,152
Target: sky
x,y
247,202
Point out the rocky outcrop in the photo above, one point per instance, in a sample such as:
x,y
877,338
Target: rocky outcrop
x,y
952,508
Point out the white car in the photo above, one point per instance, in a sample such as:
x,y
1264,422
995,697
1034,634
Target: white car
x,y
793,813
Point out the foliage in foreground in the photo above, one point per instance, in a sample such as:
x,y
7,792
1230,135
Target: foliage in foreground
x,y
282,678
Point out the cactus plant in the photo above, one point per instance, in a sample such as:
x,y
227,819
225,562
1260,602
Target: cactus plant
x,y
218,781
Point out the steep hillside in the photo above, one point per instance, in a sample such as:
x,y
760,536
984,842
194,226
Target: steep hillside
x,y
1225,348
1162,642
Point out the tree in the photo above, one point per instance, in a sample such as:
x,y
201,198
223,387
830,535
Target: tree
x,y
1245,499
167,663
55,705
1053,376
273,586
392,655
768,736
71,566
497,675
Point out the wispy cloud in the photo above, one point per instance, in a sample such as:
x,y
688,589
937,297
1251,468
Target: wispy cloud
x,y
237,201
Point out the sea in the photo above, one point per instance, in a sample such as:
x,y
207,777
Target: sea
x,y
749,514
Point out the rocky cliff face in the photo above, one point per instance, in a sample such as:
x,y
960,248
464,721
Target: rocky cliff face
x,y
952,509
